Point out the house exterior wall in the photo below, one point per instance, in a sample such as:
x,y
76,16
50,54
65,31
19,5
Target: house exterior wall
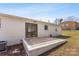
x,y
51,30
69,25
13,29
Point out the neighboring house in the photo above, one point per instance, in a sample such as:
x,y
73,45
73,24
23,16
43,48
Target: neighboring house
x,y
13,28
69,25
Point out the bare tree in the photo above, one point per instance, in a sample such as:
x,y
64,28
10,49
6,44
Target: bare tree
x,y
58,21
61,20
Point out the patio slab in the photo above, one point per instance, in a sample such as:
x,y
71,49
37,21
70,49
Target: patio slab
x,y
37,46
33,41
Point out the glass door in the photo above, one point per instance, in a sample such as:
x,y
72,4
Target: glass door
x,y
31,30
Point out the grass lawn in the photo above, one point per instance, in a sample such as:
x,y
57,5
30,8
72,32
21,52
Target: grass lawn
x,y
71,48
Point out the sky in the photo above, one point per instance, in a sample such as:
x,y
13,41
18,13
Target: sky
x,y
41,11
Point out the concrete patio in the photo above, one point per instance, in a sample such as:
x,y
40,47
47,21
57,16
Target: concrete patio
x,y
34,41
37,46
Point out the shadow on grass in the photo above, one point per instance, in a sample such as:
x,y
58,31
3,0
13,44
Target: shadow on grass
x,y
52,50
62,37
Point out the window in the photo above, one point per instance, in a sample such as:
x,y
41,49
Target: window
x,y
46,27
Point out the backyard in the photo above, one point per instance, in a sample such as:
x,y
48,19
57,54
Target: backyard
x,y
70,48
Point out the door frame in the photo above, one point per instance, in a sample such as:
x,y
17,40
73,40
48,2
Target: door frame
x,y
31,29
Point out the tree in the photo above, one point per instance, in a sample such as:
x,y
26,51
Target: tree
x,y
61,20
58,21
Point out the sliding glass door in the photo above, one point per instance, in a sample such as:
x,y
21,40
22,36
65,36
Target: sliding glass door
x,y
31,30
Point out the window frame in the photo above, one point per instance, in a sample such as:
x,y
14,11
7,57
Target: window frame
x,y
45,27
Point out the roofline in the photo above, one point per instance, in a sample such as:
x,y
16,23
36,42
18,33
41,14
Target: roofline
x,y
69,21
2,14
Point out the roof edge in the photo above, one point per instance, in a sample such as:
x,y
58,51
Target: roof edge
x,y
2,14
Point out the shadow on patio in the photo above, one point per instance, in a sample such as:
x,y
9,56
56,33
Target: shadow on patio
x,y
61,37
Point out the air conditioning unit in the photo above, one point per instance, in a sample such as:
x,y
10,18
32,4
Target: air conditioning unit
x,y
3,45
